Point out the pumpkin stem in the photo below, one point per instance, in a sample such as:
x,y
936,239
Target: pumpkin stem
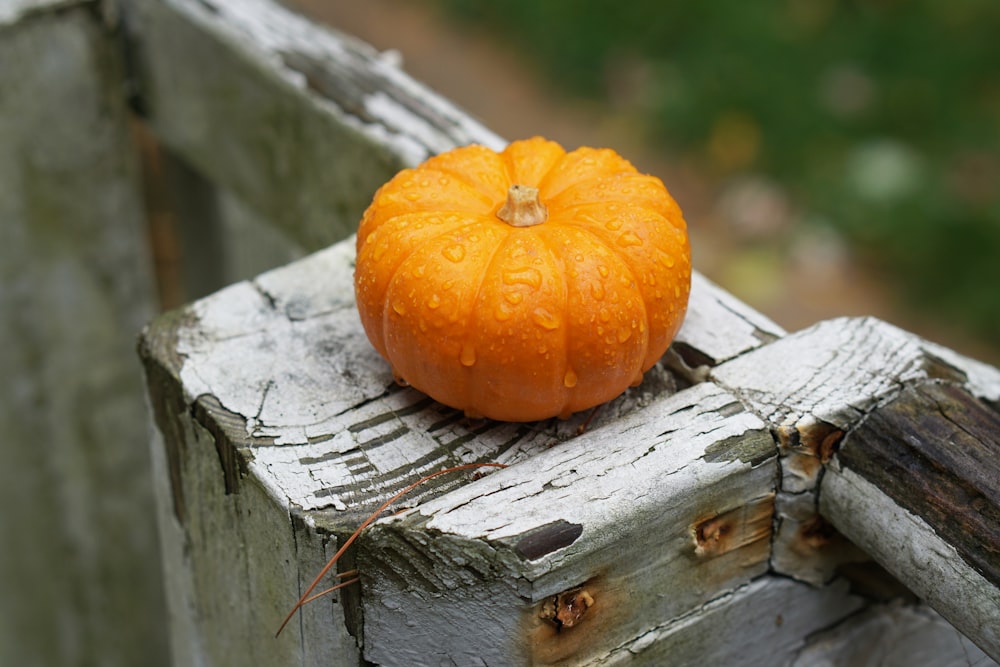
x,y
523,208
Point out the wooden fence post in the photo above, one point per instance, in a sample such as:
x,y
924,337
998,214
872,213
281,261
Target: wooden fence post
x,y
80,564
692,503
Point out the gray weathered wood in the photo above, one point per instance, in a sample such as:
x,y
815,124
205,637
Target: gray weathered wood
x,y
653,514
916,485
301,408
301,123
817,385
892,635
79,565
765,622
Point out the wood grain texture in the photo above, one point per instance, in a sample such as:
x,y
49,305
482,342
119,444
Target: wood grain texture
x,y
814,386
910,548
927,461
674,503
892,635
935,450
278,373
280,424
765,622
287,395
285,356
837,371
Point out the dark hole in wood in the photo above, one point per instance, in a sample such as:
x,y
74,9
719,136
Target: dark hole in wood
x,y
550,537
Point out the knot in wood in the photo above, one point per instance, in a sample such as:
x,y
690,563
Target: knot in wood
x,y
567,609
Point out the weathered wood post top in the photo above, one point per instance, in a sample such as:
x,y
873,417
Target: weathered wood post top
x,y
675,509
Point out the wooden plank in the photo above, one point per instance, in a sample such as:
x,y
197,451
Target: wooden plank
x,y
765,622
286,355
301,123
680,486
79,567
301,408
812,387
717,327
232,554
203,237
915,485
892,635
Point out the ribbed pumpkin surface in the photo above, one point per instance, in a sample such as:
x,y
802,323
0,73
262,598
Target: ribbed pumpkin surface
x,y
522,323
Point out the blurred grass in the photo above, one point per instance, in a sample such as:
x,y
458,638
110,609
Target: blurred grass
x,y
880,118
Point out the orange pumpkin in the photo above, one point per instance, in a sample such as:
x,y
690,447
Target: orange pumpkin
x,y
525,284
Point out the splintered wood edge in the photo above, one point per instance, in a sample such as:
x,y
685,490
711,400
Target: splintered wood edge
x,y
687,485
817,389
282,364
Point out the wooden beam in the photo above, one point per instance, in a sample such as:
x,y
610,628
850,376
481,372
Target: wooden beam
x,y
897,400
80,563
917,485
300,122
671,504
270,388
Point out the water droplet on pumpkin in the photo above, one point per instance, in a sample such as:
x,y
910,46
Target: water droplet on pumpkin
x,y
545,319
513,297
624,334
527,276
604,314
399,307
455,253
597,291
614,224
603,270
628,239
434,301
570,379
468,355
420,271
502,313
669,261
412,196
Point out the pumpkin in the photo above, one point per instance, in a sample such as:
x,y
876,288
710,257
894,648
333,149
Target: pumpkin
x,y
525,284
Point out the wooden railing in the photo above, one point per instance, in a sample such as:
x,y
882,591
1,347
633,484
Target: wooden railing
x,y
762,498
